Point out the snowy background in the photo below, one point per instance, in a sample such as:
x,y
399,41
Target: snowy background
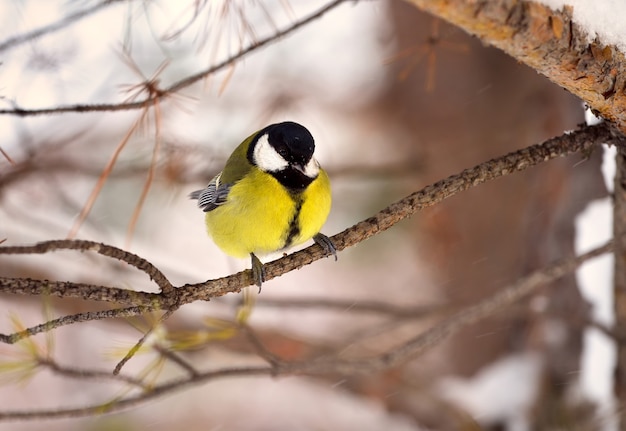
x,y
389,113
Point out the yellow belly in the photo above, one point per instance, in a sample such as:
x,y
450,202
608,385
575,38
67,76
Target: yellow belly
x,y
259,214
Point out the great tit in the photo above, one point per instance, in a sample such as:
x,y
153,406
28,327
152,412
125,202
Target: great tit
x,y
271,195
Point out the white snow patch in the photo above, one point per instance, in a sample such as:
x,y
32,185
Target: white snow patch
x,y
608,167
603,19
594,226
503,392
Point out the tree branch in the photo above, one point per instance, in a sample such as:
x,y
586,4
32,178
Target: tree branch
x,y
106,250
20,39
186,82
549,42
331,365
470,315
582,140
74,318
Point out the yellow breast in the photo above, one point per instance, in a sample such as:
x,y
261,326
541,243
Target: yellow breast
x,y
260,216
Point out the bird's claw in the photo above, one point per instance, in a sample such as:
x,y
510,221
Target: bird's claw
x,y
326,243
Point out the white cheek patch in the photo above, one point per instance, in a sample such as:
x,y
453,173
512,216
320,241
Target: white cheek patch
x,y
266,157
312,168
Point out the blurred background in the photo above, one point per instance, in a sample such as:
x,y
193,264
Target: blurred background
x,y
396,100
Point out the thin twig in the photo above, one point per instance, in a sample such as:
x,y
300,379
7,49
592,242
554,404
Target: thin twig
x,y
91,200
149,178
74,318
106,250
88,292
7,157
579,141
142,340
64,22
358,306
332,365
126,403
177,360
260,348
150,100
439,332
78,373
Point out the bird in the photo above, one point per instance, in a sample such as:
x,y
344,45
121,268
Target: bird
x,y
271,195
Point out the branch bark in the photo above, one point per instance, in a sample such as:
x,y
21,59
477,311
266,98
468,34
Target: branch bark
x,y
332,364
549,42
582,140
172,297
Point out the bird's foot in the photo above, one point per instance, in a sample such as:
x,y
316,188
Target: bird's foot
x,y
326,243
258,271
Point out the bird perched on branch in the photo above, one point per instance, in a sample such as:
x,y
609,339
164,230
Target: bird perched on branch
x,y
271,195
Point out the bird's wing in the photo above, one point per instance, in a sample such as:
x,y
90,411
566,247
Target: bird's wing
x,y
213,195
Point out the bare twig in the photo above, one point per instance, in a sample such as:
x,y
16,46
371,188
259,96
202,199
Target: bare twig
x,y
619,271
91,200
20,39
142,340
149,177
183,83
7,157
106,250
170,297
182,363
91,292
77,373
435,335
260,348
126,403
358,306
74,318
333,365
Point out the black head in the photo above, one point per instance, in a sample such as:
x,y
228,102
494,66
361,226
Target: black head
x,y
285,150
292,142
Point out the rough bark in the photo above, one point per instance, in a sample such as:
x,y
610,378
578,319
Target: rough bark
x,y
549,42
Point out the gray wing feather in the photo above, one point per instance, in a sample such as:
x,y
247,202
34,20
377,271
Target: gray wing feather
x,y
214,195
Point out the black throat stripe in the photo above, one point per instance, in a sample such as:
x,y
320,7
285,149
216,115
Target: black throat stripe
x,y
294,222
292,179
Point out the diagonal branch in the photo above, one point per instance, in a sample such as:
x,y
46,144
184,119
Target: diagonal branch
x,y
435,335
20,39
332,365
183,83
582,140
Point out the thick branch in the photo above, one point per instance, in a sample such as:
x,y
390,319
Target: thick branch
x,y
549,42
92,292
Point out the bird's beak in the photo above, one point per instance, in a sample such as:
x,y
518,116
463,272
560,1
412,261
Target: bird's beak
x,y
298,167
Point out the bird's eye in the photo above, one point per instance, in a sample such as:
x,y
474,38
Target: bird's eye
x,y
282,151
